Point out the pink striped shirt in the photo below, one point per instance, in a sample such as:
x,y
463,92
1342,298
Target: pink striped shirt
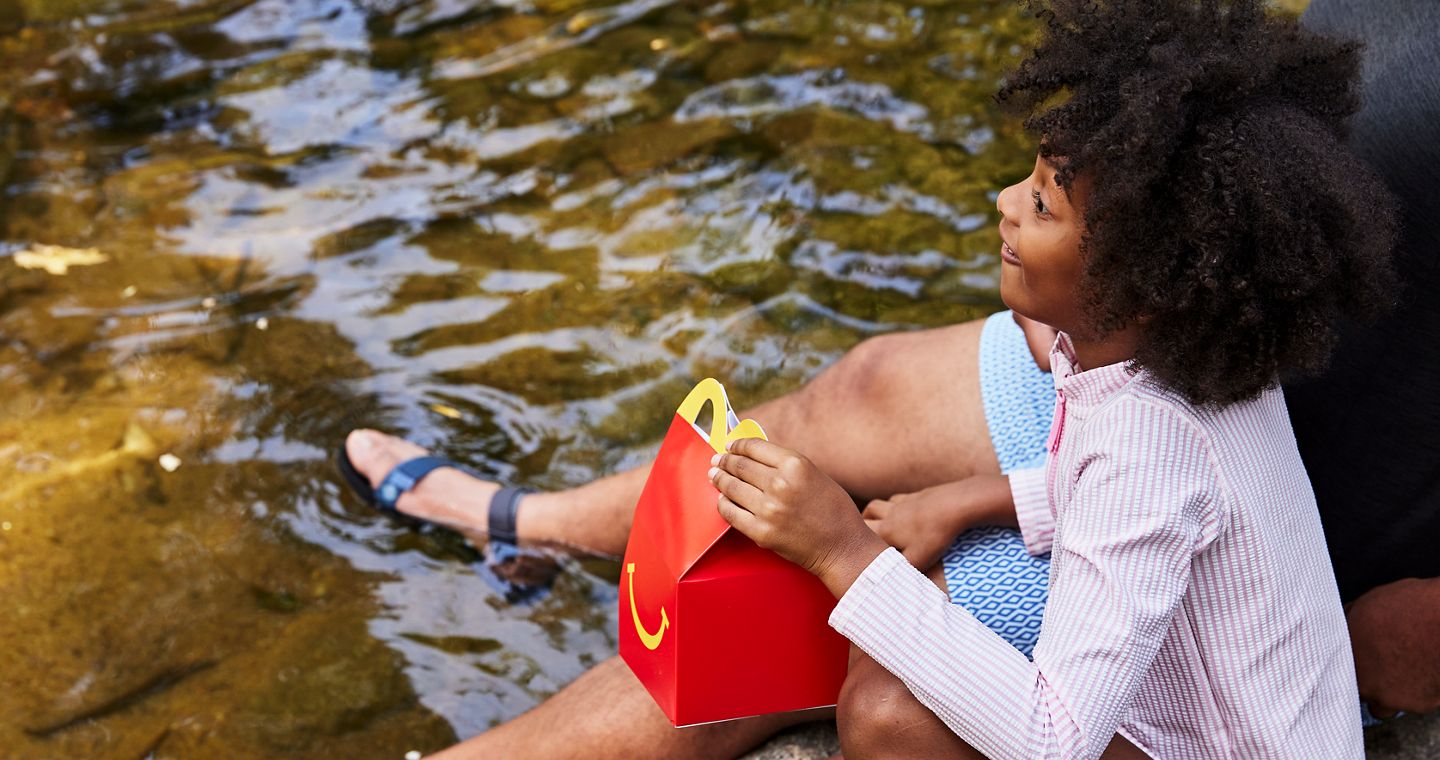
x,y
1192,604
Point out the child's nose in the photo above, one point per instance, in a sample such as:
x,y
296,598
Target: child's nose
x,y
1001,202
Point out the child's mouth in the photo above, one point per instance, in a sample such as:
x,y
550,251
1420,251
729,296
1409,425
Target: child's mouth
x,y
1008,255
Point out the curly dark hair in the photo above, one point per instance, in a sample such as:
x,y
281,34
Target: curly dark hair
x,y
1224,212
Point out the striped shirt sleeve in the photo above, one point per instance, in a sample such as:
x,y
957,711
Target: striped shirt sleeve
x,y
979,685
1032,509
1120,569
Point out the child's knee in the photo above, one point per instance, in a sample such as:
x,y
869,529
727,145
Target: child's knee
x,y
873,705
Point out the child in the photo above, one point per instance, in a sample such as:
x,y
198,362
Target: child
x,y
1193,227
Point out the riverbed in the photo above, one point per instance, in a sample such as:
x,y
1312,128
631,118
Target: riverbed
x,y
514,231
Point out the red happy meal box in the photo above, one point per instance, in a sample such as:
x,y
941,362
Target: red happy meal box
x,y
715,627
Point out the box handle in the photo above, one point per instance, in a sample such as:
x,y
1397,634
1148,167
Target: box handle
x,y
724,427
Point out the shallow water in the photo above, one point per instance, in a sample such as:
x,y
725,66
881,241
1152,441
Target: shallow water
x,y
513,231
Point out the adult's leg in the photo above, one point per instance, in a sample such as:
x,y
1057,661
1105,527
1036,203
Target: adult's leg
x,y
923,386
606,713
896,414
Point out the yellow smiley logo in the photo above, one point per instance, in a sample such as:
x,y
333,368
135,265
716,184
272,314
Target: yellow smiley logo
x,y
650,640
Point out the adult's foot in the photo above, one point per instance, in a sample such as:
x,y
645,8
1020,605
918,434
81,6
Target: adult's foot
x,y
455,499
591,519
447,496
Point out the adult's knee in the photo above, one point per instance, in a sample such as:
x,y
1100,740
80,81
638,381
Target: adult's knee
x,y
854,385
867,371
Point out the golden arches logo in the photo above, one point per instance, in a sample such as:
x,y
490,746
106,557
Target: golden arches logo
x,y
650,640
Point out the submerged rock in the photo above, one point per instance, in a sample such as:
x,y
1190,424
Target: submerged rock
x,y
324,681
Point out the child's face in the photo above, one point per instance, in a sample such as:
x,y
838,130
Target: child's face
x,y
1041,228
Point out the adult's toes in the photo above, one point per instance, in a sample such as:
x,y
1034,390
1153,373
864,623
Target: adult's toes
x,y
375,454
528,569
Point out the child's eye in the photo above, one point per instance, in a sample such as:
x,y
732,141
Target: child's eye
x,y
1039,204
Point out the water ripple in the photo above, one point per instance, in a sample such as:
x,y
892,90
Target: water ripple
x,y
515,232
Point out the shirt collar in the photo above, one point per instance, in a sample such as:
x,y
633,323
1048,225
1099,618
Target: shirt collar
x,y
1088,387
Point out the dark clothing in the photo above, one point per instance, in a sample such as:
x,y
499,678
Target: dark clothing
x,y
1369,429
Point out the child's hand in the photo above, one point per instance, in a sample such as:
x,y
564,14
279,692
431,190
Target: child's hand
x,y
923,524
914,523
785,503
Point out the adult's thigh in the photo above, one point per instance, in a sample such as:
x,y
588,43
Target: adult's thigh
x,y
897,414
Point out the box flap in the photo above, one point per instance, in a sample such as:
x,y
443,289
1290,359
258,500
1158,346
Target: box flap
x,y
692,524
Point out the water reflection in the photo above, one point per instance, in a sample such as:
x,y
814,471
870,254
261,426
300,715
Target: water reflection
x,y
513,231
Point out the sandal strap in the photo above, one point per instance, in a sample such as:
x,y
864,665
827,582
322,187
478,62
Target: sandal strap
x,y
405,476
503,507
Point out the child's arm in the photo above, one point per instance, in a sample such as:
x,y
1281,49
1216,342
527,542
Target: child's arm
x,y
1127,562
923,524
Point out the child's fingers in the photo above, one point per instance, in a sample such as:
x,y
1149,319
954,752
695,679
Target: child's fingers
x,y
874,526
737,490
760,450
876,510
744,468
736,515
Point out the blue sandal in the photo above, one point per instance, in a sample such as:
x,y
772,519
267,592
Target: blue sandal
x,y
501,520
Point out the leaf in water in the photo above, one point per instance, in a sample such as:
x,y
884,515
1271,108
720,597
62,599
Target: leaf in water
x,y
584,20
445,411
137,441
57,259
